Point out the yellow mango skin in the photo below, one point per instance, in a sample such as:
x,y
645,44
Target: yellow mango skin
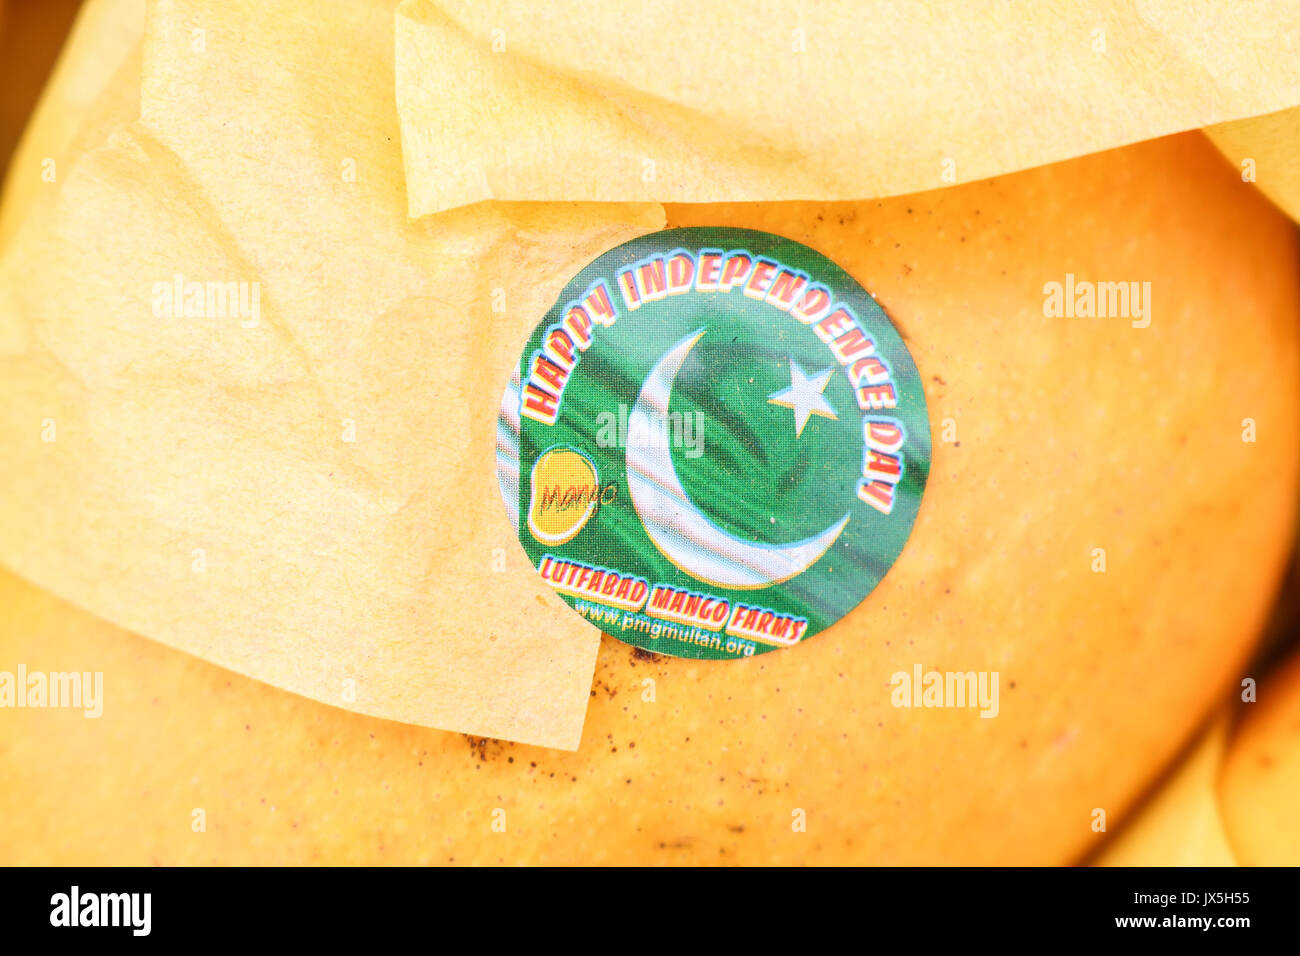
x,y
1180,824
1259,790
1067,435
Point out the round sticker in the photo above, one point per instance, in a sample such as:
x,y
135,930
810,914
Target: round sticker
x,y
715,444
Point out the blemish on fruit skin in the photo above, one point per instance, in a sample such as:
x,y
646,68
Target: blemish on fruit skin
x,y
641,654
1065,739
486,748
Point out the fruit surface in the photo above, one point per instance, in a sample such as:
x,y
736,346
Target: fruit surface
x,y
1260,780
1231,798
1090,502
1180,824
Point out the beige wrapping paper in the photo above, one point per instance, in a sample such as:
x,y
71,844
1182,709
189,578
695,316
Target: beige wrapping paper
x,y
681,101
301,498
1266,150
307,495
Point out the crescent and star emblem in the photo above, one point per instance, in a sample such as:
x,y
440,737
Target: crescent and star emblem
x,y
684,534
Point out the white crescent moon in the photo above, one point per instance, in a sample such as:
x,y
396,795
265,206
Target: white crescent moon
x,y
676,526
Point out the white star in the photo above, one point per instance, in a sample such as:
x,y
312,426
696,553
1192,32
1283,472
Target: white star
x,y
804,396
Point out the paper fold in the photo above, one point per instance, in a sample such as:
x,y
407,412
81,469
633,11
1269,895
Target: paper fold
x,y
678,101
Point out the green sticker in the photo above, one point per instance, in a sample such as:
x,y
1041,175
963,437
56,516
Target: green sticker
x,y
716,443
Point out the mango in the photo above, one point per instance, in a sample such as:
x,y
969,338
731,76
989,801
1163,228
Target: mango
x,y
1261,774
1109,508
1231,798
1181,824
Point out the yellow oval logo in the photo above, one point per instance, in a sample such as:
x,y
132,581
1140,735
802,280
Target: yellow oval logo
x,y
564,493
